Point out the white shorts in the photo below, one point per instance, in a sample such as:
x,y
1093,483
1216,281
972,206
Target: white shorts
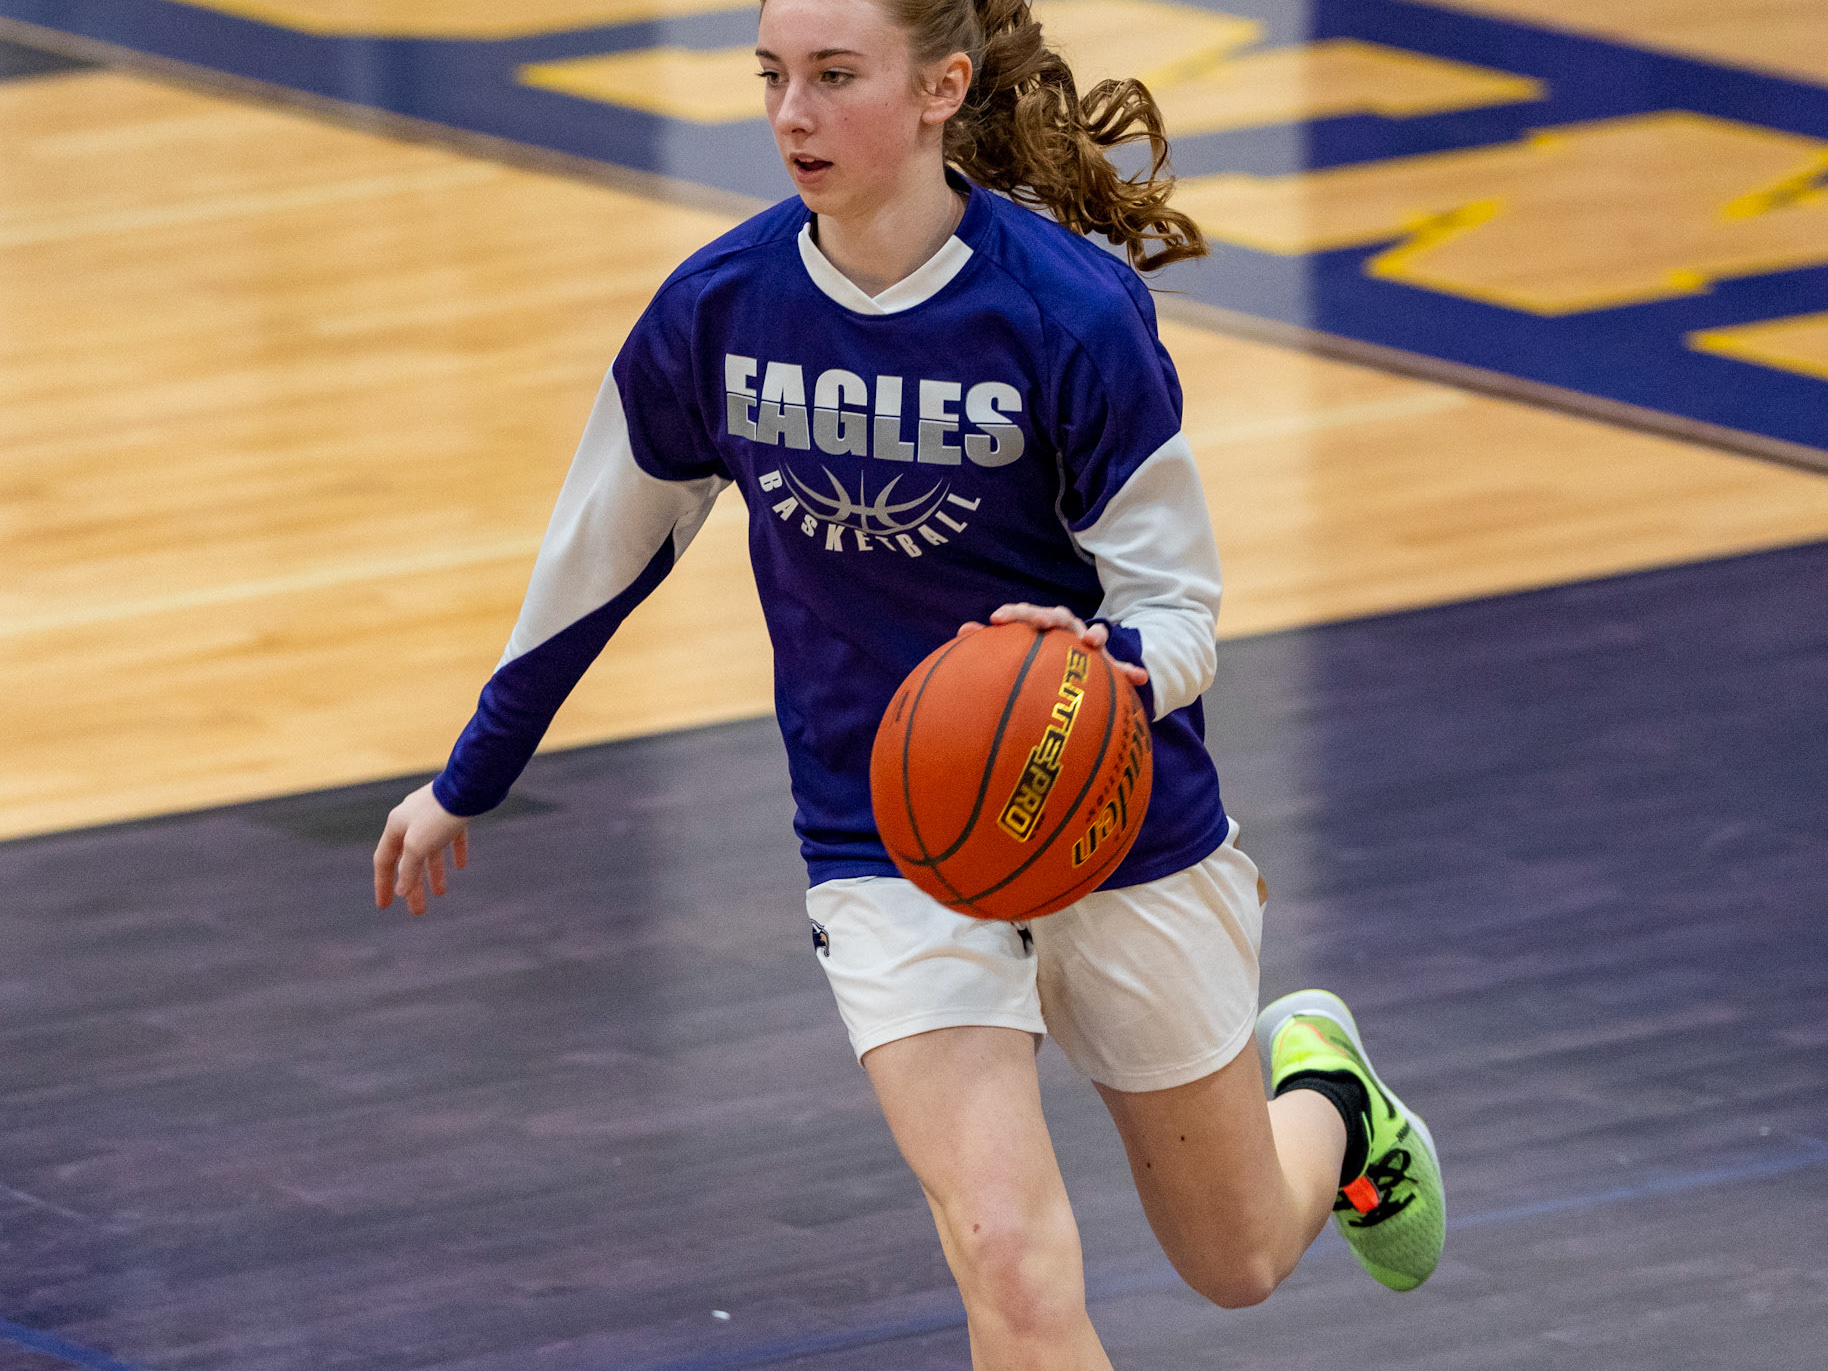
x,y
1144,988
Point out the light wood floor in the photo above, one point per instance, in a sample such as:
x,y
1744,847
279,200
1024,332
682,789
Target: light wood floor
x,y
283,407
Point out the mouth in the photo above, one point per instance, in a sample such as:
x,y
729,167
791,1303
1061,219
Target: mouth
x,y
808,166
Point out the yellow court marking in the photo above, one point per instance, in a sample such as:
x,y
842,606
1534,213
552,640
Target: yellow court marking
x,y
1188,57
1789,37
1665,203
1192,61
698,86
1330,78
1799,344
1162,43
460,18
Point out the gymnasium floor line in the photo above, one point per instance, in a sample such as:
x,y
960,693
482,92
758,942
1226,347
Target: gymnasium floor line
x,y
1485,381
1110,1281
1135,1278
1102,1284
62,1349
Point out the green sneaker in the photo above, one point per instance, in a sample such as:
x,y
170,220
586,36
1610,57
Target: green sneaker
x,y
1393,1216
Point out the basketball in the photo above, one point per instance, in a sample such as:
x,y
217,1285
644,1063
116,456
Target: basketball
x,y
1011,772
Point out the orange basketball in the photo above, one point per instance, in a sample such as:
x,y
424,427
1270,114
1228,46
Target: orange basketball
x,y
1011,772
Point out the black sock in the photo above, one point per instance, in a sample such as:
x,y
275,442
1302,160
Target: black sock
x,y
1347,1094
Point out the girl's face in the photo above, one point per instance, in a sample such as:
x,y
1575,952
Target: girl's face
x,y
854,122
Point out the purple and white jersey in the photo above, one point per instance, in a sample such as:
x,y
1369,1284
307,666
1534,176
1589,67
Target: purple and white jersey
x,y
1002,425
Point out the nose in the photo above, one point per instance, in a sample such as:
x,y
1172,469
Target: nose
x,y
792,110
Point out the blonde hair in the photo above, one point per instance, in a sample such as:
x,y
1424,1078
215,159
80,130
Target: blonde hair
x,y
1025,130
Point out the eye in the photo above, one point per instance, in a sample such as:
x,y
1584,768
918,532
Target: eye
x,y
833,76
772,78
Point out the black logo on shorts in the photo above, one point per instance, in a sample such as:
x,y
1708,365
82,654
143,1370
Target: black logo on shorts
x,y
821,940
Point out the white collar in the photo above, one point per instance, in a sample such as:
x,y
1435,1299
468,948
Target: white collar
x,y
918,286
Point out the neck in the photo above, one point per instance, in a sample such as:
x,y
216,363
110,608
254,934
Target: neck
x,y
877,247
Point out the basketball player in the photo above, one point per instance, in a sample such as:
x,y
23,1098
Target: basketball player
x,y
942,407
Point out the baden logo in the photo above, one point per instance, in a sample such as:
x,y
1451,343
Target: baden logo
x,y
1022,814
954,422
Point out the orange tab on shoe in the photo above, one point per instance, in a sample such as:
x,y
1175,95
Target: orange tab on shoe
x,y
1362,1194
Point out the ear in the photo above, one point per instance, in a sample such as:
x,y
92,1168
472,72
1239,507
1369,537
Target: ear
x,y
944,86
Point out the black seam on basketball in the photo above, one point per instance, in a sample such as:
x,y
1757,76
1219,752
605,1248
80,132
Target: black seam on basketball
x,y
1104,746
907,787
996,744
1092,883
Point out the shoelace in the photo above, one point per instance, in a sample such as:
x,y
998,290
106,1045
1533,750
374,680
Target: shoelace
x,y
1386,1173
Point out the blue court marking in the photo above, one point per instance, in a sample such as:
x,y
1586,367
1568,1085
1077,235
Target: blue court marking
x,y
62,1348
1816,1155
945,1311
1635,353
1145,1276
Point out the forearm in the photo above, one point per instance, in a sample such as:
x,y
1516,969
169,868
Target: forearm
x,y
1159,567
615,533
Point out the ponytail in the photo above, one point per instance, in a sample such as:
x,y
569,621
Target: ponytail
x,y
1025,130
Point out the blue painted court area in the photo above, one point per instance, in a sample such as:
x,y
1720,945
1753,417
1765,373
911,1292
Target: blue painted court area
x,y
1739,254
1564,852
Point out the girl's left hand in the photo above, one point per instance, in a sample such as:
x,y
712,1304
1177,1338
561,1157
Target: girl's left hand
x,y
1094,636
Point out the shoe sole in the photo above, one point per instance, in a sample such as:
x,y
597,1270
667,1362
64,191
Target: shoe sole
x,y
1327,1005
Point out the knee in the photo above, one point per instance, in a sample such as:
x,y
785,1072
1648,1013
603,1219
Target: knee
x,y
1238,1283
1019,1268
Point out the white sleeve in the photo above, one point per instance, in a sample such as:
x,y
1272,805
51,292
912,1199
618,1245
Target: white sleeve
x,y
610,520
1153,547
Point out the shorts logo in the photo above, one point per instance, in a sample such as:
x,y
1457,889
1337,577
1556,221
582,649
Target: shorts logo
x,y
1022,814
862,523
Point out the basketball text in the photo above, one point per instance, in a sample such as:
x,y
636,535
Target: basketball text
x,y
1022,814
1113,819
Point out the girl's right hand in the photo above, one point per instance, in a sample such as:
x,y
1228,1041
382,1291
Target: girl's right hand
x,y
410,855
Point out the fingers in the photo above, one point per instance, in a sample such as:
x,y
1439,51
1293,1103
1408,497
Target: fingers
x,y
420,876
1051,616
1094,636
386,862
965,630
409,860
409,881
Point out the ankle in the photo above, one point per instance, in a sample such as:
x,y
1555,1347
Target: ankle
x,y
1346,1093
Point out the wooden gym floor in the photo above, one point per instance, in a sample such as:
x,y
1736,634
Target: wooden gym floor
x,y
284,400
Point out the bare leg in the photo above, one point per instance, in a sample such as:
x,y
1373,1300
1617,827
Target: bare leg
x,y
1234,1187
964,1105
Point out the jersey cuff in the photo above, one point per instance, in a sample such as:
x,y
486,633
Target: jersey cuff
x,y
1125,644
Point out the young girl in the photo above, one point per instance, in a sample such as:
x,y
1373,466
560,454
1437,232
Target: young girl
x,y
944,407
